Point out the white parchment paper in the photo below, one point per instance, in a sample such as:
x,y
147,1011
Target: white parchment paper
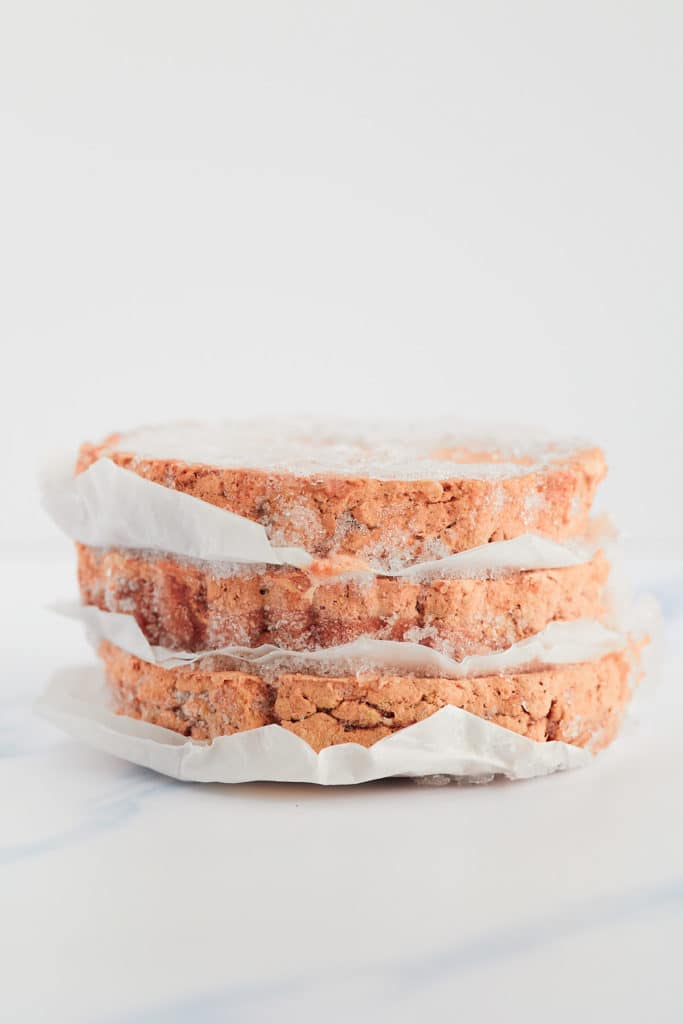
x,y
107,506
451,742
560,643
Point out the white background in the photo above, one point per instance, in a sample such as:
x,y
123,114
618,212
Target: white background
x,y
217,209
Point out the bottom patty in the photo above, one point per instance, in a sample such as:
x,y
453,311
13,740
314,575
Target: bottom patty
x,y
580,703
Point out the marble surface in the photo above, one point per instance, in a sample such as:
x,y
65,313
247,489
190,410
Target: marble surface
x,y
128,897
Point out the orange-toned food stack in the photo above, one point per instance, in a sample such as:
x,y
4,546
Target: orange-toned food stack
x,y
400,569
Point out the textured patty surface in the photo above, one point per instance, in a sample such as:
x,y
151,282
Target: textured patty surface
x,y
384,524
581,704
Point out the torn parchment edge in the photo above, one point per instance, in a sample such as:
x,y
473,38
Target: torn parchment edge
x,y
560,643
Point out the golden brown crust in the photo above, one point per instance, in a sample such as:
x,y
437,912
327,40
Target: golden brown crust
x,y
383,521
190,607
580,704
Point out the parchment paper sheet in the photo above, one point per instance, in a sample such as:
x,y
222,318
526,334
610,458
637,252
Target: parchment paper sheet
x,y
560,643
450,742
107,506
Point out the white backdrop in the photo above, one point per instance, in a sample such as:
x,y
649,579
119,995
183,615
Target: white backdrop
x,y
217,209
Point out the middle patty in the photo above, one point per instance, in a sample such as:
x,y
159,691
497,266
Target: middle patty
x,y
196,606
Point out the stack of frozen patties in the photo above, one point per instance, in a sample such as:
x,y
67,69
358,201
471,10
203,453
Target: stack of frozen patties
x,y
401,569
